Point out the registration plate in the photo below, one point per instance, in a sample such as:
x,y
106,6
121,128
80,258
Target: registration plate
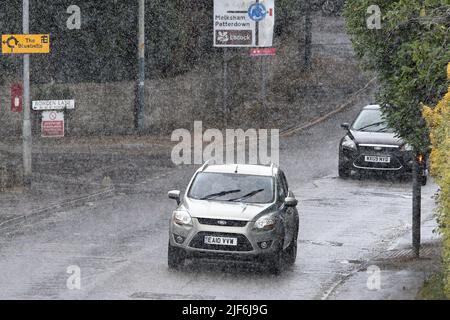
x,y
221,241
378,159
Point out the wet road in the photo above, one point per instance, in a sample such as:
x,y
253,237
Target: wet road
x,y
120,243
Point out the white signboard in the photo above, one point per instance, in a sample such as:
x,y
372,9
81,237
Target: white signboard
x,y
244,23
52,124
53,105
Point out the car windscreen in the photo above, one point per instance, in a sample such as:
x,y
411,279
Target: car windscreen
x,y
232,187
371,120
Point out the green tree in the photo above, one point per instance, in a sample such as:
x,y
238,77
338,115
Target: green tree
x,y
409,54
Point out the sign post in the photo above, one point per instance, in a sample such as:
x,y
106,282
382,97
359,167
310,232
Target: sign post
x,y
242,23
140,105
26,44
26,131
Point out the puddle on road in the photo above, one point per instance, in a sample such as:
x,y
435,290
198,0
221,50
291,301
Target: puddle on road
x,y
382,194
322,243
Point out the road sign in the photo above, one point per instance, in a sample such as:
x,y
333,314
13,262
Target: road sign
x,y
53,105
16,98
257,11
261,52
25,43
244,23
52,124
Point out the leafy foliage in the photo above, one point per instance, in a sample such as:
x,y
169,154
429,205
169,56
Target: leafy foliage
x,y
409,54
438,120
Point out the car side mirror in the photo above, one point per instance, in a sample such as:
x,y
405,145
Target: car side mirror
x,y
175,195
345,126
290,202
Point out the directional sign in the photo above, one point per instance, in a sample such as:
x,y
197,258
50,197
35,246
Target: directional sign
x,y
243,23
25,43
53,105
257,12
52,124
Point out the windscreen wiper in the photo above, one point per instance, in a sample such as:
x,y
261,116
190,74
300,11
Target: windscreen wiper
x,y
371,125
383,129
248,195
219,194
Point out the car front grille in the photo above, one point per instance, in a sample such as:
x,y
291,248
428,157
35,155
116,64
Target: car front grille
x,y
222,222
198,242
395,164
378,150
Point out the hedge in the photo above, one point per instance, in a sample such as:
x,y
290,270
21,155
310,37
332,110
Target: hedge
x,y
438,120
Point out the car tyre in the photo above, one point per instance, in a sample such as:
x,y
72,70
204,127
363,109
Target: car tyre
x,y
175,257
343,172
291,251
423,180
275,262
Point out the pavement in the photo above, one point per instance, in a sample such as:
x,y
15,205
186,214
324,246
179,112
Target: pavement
x,y
119,241
400,275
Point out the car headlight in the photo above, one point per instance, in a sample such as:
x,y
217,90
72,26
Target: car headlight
x,y
348,143
182,218
266,222
406,147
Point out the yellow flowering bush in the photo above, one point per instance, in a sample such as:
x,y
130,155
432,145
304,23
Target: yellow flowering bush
x,y
438,120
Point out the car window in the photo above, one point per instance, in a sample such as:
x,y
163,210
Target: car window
x,y
371,120
232,187
282,192
284,182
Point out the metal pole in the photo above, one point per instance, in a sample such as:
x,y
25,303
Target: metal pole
x,y
225,88
139,116
308,36
26,130
416,215
263,80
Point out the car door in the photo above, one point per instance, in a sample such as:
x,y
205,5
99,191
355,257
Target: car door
x,y
289,212
285,212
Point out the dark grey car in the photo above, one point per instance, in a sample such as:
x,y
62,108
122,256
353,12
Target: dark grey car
x,y
371,145
235,212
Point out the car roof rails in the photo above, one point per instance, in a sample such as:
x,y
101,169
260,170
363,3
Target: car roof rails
x,y
274,167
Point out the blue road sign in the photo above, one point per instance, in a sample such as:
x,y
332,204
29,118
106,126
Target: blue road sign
x,y
257,12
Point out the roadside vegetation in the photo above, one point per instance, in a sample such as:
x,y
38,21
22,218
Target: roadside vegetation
x,y
438,119
433,288
409,51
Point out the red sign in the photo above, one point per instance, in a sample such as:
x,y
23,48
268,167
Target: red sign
x,y
52,124
259,52
53,129
16,98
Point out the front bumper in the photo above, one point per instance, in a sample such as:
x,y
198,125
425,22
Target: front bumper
x,y
248,247
400,161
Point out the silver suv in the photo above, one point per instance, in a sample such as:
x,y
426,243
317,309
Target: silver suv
x,y
235,212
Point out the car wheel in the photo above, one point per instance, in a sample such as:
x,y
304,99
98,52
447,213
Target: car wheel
x,y
291,251
275,262
423,180
343,172
175,257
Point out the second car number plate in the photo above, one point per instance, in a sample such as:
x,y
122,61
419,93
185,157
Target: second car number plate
x,y
378,159
221,241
